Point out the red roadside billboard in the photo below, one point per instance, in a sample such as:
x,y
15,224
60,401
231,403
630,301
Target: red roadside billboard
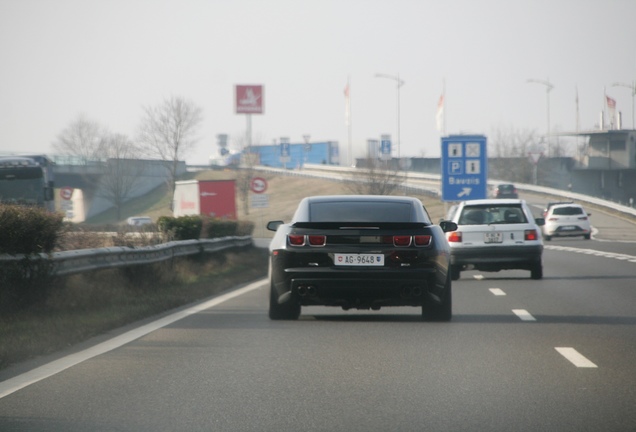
x,y
249,99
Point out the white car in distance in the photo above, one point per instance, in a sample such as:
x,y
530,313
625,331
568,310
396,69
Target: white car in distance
x,y
567,220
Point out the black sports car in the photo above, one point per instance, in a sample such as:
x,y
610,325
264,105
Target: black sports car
x,y
362,252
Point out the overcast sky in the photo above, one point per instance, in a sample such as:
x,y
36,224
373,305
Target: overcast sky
x,y
108,59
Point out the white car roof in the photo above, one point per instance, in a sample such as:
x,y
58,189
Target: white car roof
x,y
497,201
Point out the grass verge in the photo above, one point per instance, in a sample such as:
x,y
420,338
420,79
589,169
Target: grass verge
x,y
88,304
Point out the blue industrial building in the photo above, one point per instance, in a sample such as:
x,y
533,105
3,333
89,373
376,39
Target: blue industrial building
x,y
296,155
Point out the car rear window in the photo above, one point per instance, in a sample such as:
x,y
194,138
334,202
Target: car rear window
x,y
567,211
492,214
360,212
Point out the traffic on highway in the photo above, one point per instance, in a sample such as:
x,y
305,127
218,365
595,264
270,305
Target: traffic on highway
x,y
519,354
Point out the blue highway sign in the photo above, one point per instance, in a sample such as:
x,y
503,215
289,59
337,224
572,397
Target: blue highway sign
x,y
464,167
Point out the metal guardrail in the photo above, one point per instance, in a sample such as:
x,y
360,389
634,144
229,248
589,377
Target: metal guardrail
x,y
78,261
417,181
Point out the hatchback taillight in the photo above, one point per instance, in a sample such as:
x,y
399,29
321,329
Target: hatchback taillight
x,y
454,237
531,235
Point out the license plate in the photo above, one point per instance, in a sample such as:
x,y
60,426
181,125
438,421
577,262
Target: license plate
x,y
568,228
358,259
493,237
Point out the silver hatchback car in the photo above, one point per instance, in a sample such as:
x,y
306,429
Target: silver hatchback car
x,y
494,235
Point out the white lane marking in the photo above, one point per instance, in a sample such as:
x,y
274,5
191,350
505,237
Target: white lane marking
x,y
479,277
19,382
576,358
524,315
497,291
618,256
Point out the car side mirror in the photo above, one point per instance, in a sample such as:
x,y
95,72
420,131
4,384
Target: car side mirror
x,y
539,221
273,225
448,226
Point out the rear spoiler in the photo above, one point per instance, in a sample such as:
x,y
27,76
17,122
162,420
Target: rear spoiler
x,y
361,225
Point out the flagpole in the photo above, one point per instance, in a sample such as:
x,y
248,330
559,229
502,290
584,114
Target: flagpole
x,y
349,127
347,94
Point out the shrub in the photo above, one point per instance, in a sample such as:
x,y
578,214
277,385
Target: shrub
x,y
213,228
28,230
181,228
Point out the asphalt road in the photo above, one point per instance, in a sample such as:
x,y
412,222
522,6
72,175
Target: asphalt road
x,y
520,354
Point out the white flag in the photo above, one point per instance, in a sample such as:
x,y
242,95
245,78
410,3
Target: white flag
x,y
347,106
440,114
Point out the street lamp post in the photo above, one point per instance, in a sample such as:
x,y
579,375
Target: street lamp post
x,y
548,87
631,86
399,83
307,147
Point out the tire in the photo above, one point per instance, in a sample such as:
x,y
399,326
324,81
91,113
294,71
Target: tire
x,y
443,311
547,237
587,236
536,271
454,272
285,311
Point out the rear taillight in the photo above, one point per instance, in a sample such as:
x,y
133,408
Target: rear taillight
x,y
583,218
531,235
401,240
552,219
454,237
317,240
296,240
422,240
311,240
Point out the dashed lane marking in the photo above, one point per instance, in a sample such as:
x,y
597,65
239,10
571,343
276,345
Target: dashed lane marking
x,y
497,292
524,315
576,358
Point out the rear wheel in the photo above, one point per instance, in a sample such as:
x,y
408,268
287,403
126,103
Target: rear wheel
x,y
285,311
536,271
454,272
547,237
432,311
587,236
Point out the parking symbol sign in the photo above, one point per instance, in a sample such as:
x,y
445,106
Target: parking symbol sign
x,y
455,167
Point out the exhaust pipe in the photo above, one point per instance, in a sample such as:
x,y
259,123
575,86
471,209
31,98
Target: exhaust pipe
x,y
410,292
306,290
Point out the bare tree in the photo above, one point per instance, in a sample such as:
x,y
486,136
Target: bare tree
x,y
376,178
246,172
168,131
511,152
121,171
83,138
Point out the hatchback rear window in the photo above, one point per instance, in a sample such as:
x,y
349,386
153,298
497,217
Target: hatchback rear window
x,y
360,212
567,211
492,214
